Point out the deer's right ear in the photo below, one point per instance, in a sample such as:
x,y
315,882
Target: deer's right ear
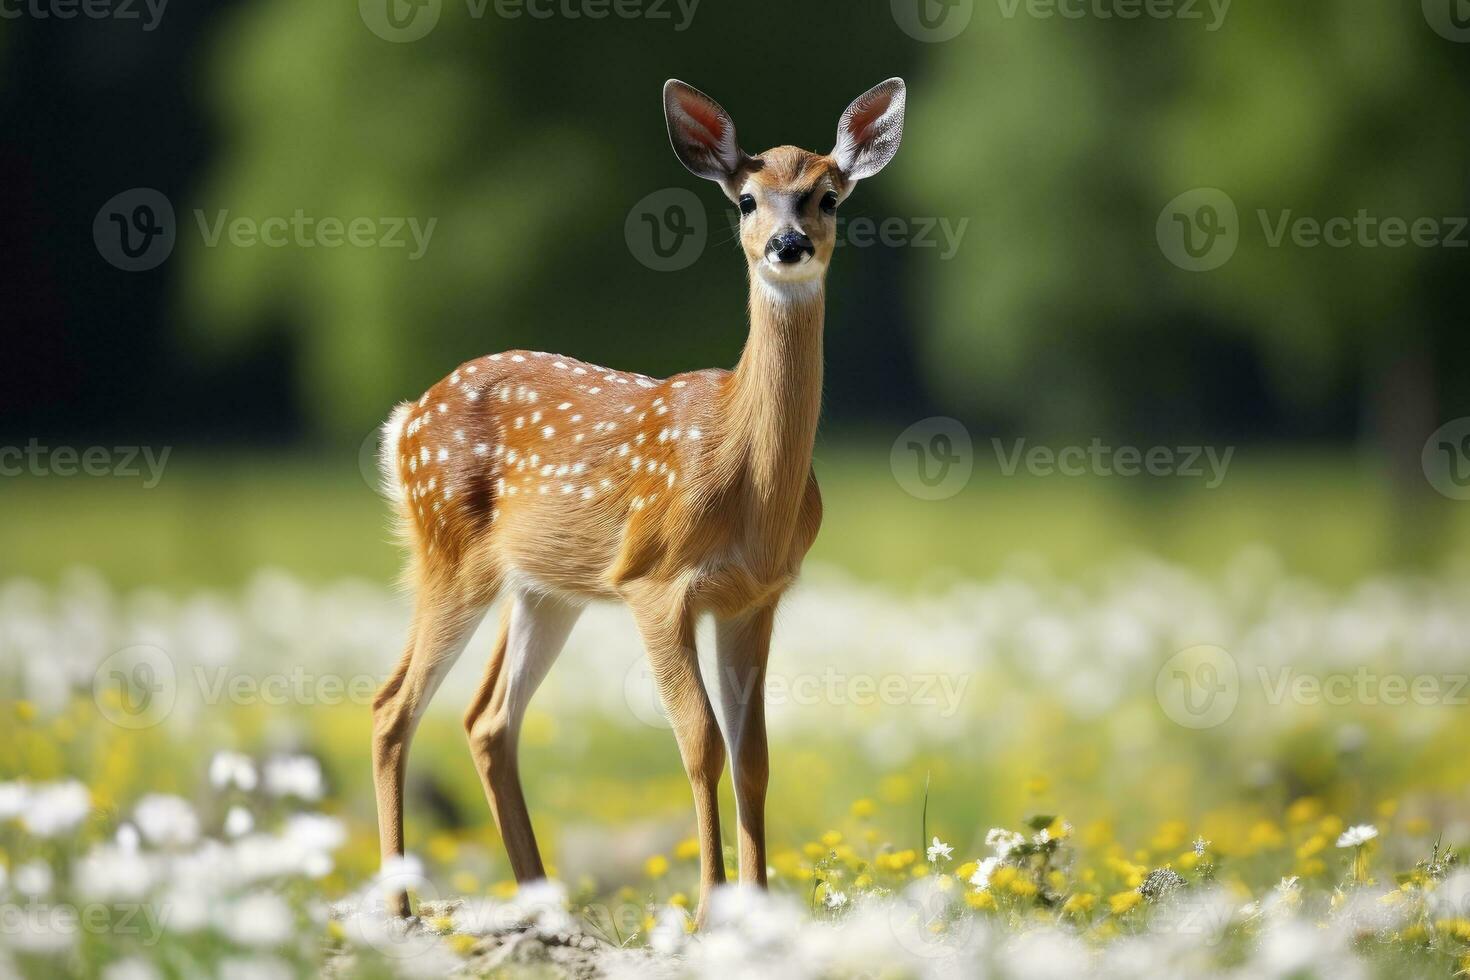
x,y
702,133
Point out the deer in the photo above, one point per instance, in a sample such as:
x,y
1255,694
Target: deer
x,y
551,483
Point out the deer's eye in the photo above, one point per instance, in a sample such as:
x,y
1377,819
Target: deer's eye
x,y
747,204
829,202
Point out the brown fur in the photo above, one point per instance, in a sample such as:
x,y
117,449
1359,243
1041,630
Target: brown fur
x,y
688,495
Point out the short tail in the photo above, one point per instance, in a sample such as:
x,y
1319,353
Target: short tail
x,y
388,463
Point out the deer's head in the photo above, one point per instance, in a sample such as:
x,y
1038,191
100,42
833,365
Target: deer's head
x,y
788,197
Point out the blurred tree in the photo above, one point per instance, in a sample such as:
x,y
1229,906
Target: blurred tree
x,y
1069,137
529,140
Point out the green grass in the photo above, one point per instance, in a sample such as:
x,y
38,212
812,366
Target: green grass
x,y
215,518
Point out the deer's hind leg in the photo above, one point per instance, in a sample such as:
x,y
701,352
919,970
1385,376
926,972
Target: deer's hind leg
x,y
443,623
533,630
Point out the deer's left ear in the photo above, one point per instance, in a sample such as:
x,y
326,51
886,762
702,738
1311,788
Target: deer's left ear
x,y
703,134
870,130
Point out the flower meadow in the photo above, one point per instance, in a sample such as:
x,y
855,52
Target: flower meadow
x,y
1138,769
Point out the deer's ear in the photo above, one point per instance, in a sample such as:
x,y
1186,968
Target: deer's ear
x,y
702,133
870,130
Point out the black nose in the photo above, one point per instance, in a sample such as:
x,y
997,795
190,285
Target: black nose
x,y
790,246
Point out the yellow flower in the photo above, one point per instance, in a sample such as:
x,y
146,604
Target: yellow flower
x,y
1002,877
1123,901
1311,846
964,871
1304,810
1079,904
864,808
1023,887
813,850
679,899
462,944
831,839
25,710
687,849
920,871
979,900
440,923
1266,836
862,881
1169,836
656,866
443,849
503,889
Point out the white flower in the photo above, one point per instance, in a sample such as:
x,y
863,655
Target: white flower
x,y
34,878
981,878
166,821
294,775
1003,841
1357,836
253,968
1201,845
1289,886
669,934
112,872
1042,837
938,850
127,837
13,798
837,900
238,822
228,769
132,968
261,920
56,808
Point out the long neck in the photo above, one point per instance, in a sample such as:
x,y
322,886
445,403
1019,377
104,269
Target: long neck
x,y
775,394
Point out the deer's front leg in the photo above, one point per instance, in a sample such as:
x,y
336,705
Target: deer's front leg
x,y
743,644
668,632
